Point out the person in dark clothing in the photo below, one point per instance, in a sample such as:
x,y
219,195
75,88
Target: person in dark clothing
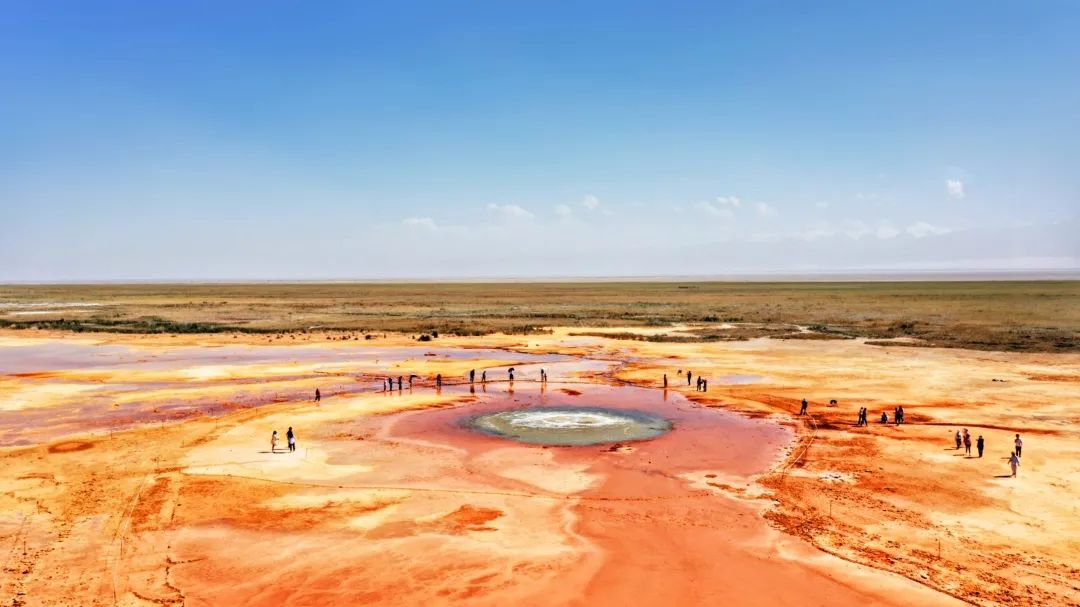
x,y
390,383
804,406
399,383
472,375
688,375
885,419
510,372
665,381
411,378
704,385
979,444
483,377
291,438
697,386
959,440
318,396
967,442
438,380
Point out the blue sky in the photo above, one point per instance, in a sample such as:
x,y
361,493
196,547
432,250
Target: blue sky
x,y
278,140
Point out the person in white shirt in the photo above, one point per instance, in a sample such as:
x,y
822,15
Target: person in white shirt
x,y
1019,445
1014,463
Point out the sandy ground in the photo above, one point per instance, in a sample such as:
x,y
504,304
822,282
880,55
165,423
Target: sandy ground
x,y
136,471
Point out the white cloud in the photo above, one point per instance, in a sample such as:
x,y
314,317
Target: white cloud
x,y
955,188
922,229
856,229
509,211
886,231
590,202
714,210
563,211
424,223
816,231
765,210
728,201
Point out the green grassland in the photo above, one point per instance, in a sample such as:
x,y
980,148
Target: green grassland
x,y
991,315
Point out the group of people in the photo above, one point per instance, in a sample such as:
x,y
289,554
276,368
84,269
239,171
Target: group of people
x,y
863,419
1014,459
964,439
702,384
390,382
289,436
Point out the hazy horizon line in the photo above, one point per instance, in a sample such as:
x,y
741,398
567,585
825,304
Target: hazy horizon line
x,y
821,276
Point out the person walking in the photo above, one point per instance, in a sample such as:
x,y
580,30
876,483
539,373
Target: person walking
x,y
665,381
318,395
273,442
804,406
979,444
1014,462
688,375
967,442
399,383
291,439
472,375
483,377
1019,446
697,386
959,440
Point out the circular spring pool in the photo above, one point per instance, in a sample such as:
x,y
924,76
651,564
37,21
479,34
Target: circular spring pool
x,y
570,426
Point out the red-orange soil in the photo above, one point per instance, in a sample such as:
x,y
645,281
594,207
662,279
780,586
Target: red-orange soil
x,y
137,471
